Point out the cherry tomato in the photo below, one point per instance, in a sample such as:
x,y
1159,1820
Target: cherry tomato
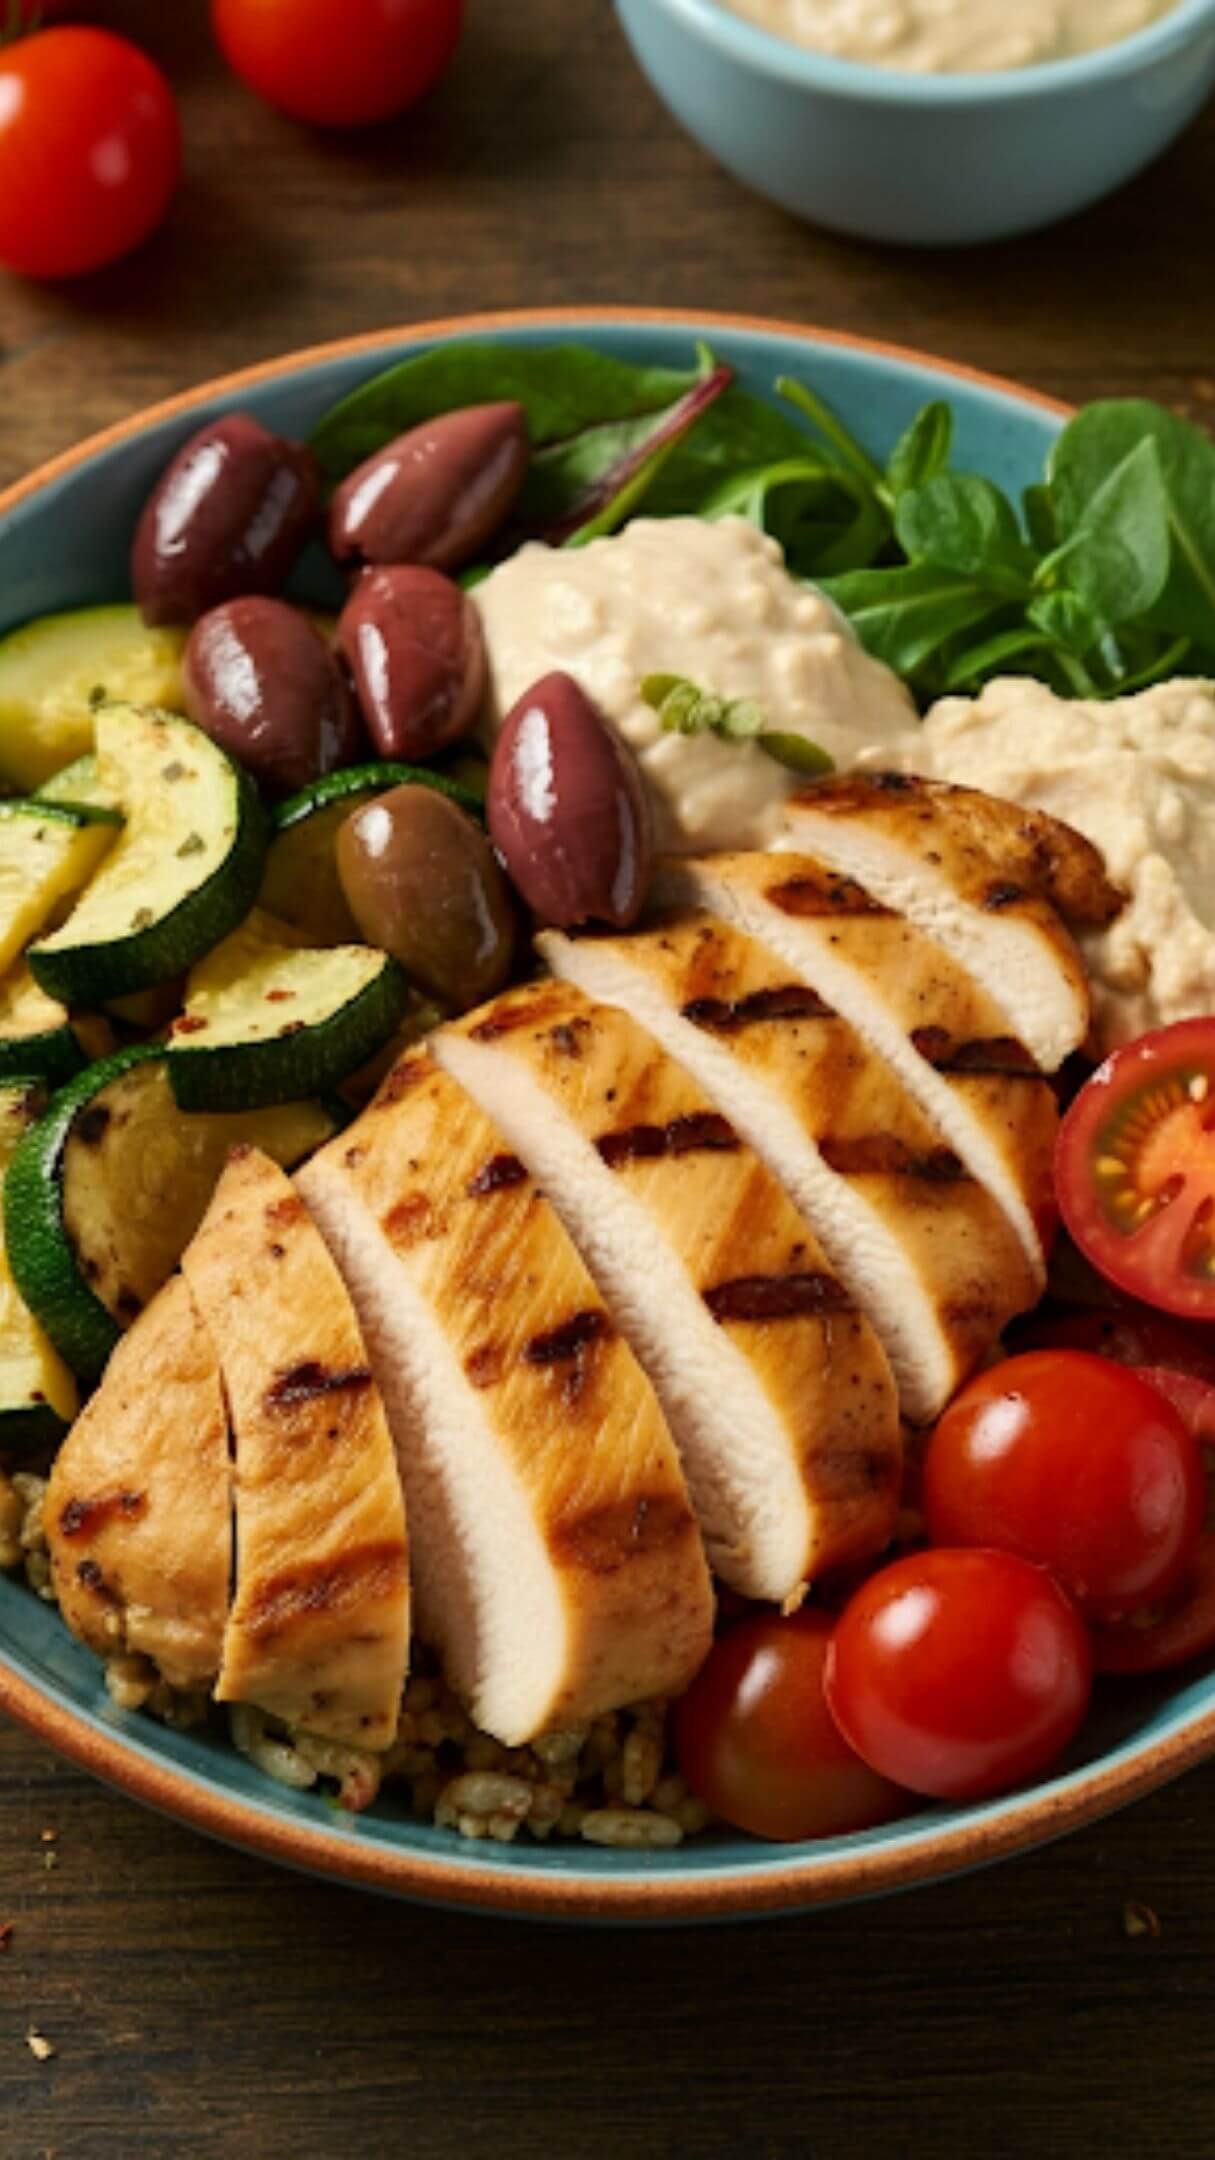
x,y
1126,1333
90,150
1079,1464
959,1673
338,63
1135,1169
1173,1631
758,1745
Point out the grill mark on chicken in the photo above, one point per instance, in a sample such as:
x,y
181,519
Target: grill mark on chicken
x,y
990,1053
400,1082
820,892
1004,894
885,1155
90,1577
729,1016
508,1015
777,1297
605,1539
497,1175
703,1133
86,1518
312,1381
411,1220
352,1580
557,1346
284,1214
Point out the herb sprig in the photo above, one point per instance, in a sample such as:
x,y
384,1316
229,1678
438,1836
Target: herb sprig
x,y
685,709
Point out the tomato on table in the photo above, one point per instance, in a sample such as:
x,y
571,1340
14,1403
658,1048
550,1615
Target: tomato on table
x,y
90,150
959,1673
339,63
1135,1169
1173,1631
1077,1463
757,1743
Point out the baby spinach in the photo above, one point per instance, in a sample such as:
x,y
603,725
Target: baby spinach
x,y
908,615
1093,448
825,521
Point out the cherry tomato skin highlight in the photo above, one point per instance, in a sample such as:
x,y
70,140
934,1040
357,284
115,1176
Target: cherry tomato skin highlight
x,y
1076,1463
757,1743
339,63
90,150
959,1674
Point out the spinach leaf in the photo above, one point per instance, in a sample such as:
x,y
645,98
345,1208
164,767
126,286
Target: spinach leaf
x,y
825,521
959,522
997,655
846,450
1041,522
905,616
1095,444
921,453
739,434
1118,549
596,480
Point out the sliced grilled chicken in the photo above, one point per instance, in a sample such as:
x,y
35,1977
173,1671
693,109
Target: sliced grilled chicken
x,y
917,1243
319,1628
917,1007
138,1513
776,1388
558,1568
992,882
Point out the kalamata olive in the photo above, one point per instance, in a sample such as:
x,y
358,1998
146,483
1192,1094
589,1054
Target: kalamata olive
x,y
228,517
422,883
414,646
436,494
567,810
262,682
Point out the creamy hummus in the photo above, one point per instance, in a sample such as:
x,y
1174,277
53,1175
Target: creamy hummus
x,y
715,603
1138,777
934,37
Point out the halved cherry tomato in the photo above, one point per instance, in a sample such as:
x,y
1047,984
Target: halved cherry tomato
x,y
1135,1169
338,63
90,150
1077,1463
959,1673
1173,1631
757,1743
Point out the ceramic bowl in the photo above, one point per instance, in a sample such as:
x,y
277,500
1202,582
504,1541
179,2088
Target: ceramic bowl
x,y
64,538
927,159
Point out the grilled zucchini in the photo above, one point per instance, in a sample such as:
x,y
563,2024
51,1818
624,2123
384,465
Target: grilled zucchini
x,y
47,852
37,1392
37,1040
56,672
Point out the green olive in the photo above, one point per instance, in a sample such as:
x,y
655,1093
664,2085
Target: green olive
x,y
423,884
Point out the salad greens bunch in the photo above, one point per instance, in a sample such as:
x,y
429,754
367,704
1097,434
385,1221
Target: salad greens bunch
x,y
1100,581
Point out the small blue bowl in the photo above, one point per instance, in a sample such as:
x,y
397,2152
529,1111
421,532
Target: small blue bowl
x,y
65,535
928,160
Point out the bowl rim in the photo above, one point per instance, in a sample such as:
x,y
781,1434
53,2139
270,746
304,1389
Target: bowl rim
x,y
1031,1818
767,53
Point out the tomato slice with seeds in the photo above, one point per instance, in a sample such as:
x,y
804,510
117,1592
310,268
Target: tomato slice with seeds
x,y
1135,1169
1158,1637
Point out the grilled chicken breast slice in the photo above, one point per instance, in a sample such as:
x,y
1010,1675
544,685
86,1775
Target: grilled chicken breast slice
x,y
558,1568
916,1241
318,1633
775,1386
992,882
138,1511
917,1007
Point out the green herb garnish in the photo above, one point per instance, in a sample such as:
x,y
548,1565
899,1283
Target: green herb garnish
x,y
685,709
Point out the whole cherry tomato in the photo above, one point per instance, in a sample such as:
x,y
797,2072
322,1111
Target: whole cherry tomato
x,y
1077,1463
90,150
959,1673
1157,1637
339,63
758,1745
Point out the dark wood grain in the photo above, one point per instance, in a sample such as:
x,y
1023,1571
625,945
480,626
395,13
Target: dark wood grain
x,y
201,2004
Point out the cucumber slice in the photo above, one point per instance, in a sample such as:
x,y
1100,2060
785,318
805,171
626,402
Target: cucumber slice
x,y
36,1037
47,852
56,672
106,1192
183,873
78,785
301,884
37,1393
266,1021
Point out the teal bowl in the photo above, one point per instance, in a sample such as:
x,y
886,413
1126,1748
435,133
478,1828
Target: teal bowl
x,y
927,160
64,538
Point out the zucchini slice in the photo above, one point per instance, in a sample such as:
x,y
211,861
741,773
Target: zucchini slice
x,y
37,1393
105,1193
301,884
266,1021
184,872
37,1040
79,785
56,672
47,852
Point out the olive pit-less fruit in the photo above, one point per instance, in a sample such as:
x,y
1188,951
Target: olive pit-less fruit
x,y
423,884
412,640
436,494
262,682
228,517
567,810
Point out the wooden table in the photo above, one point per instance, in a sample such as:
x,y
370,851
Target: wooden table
x,y
198,2002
